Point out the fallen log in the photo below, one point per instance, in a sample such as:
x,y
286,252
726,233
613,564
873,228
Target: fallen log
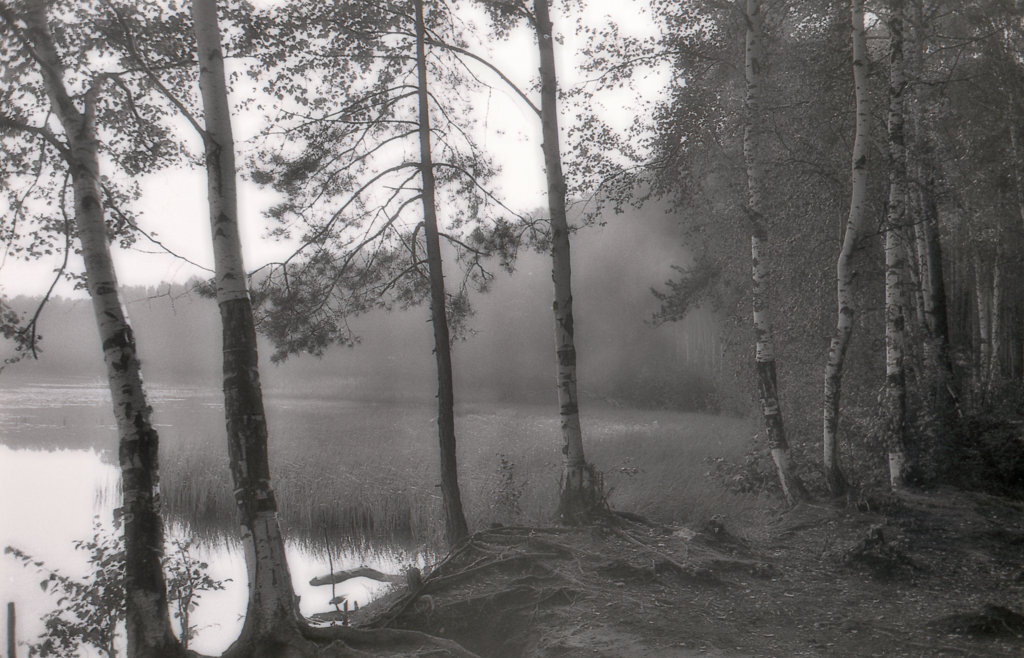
x,y
361,572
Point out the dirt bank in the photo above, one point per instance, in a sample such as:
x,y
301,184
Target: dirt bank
x,y
919,573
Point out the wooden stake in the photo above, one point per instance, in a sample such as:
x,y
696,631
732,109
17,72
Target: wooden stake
x,y
12,642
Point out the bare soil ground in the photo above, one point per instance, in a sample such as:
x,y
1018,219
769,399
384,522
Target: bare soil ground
x,y
922,573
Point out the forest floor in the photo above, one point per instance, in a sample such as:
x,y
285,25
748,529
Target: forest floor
x,y
921,573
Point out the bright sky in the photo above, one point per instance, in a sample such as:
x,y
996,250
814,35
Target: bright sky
x,y
174,202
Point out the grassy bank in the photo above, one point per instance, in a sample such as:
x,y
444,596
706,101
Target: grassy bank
x,y
367,474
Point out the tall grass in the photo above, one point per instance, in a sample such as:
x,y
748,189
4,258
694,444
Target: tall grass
x,y
367,475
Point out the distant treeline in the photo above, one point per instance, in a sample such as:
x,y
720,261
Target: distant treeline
x,y
505,354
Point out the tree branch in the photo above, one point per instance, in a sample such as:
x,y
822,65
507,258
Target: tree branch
x,y
30,328
8,123
462,51
135,227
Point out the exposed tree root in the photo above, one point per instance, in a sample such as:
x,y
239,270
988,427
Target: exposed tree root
x,y
624,587
502,581
311,640
992,621
488,594
382,642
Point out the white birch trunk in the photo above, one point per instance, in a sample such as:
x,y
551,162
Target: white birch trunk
x,y
148,627
580,497
271,623
894,410
764,352
845,273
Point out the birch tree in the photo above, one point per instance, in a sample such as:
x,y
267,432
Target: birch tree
x,y
271,618
580,498
76,142
845,272
894,408
768,391
273,625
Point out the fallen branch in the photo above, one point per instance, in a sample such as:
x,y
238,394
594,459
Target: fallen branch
x,y
361,572
527,530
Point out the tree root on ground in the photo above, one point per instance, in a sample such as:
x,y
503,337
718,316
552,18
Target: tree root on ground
x,y
382,642
489,593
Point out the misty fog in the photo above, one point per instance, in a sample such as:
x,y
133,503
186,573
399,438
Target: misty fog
x,y
507,353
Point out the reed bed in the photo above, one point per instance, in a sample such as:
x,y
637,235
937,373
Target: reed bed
x,y
365,476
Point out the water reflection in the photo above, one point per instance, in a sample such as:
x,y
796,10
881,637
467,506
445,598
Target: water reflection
x,y
48,499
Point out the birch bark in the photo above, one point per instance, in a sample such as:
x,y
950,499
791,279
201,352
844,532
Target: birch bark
x,y
580,497
895,396
147,622
792,488
983,309
455,521
995,330
271,621
845,272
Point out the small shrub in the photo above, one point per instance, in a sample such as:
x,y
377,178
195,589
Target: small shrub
x,y
980,453
90,612
755,472
187,579
507,493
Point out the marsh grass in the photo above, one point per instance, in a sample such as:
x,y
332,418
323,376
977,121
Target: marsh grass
x,y
366,475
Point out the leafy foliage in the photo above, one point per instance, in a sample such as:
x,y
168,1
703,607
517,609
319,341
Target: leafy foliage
x,y
187,580
91,611
343,153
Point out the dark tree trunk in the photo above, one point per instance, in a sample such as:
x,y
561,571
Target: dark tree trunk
x,y
941,396
454,520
